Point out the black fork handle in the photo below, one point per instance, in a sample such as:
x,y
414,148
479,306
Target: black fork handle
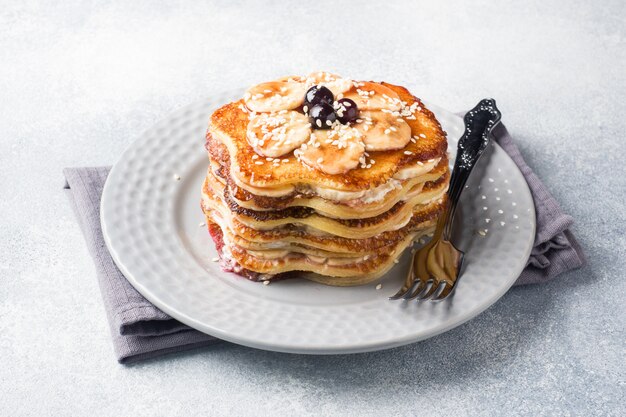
x,y
479,122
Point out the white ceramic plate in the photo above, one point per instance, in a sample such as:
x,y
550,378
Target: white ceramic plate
x,y
151,224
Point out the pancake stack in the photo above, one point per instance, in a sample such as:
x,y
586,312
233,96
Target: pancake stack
x,y
287,194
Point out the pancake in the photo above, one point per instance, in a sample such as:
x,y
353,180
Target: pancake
x,y
315,226
370,205
293,192
302,195
338,271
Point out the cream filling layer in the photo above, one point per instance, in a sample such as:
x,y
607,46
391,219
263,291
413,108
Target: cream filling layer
x,y
365,196
226,219
276,253
319,224
326,224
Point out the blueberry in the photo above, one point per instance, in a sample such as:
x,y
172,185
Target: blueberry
x,y
316,95
322,116
347,111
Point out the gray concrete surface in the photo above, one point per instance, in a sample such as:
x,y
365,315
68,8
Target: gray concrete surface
x,y
80,80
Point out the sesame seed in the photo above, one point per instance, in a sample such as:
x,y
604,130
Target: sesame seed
x,y
202,224
318,122
320,160
484,208
387,131
497,198
515,216
514,203
255,156
487,220
500,211
379,286
482,233
259,162
177,177
215,260
491,180
423,136
266,282
408,153
483,197
395,261
502,223
509,191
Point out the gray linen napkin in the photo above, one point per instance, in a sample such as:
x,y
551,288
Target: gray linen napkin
x,y
555,249
141,331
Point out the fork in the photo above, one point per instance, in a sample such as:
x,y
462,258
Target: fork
x,y
435,268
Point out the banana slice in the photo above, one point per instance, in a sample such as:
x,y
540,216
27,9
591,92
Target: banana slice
x,y
373,96
382,131
333,82
276,134
333,151
283,94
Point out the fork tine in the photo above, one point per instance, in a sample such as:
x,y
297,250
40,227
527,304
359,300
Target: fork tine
x,y
446,290
433,288
417,289
450,286
400,293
